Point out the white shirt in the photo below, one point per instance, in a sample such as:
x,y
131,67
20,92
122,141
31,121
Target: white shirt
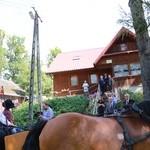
x,y
3,120
85,87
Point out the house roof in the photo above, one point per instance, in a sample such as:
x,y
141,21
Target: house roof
x,y
76,60
83,59
122,31
10,88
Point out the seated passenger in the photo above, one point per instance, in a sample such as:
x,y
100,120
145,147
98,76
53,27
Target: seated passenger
x,y
8,104
127,101
110,106
115,98
47,113
101,107
5,124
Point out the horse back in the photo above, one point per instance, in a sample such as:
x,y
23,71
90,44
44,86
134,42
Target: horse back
x,y
78,132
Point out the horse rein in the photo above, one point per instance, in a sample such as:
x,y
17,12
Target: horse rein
x,y
128,140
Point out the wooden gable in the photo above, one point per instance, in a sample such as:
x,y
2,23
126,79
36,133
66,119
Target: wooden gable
x,y
122,53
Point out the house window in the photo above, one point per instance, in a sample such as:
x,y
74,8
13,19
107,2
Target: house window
x,y
121,70
123,47
76,58
93,78
135,68
74,80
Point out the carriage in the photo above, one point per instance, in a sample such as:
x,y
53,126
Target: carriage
x,y
15,141
73,131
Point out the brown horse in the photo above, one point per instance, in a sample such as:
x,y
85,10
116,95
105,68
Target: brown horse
x,y
73,131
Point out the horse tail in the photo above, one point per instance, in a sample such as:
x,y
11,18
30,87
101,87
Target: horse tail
x,y
32,139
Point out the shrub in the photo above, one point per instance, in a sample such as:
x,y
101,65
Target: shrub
x,y
59,105
137,96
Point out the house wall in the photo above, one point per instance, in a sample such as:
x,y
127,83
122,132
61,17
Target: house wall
x,y
125,58
116,47
62,81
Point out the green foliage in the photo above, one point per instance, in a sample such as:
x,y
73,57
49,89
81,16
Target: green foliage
x,y
17,58
21,114
53,53
59,105
137,96
68,104
46,84
2,51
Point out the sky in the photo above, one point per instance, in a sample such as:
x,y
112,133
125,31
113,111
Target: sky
x,y
70,25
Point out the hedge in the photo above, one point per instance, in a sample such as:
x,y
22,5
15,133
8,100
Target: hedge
x,y
59,105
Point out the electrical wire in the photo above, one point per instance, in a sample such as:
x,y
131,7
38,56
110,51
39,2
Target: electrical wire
x,y
22,6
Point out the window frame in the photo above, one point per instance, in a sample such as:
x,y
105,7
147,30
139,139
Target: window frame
x,y
121,70
135,69
94,76
123,47
75,78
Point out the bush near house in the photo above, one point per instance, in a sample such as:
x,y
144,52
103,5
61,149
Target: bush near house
x,y
59,105
137,96
64,105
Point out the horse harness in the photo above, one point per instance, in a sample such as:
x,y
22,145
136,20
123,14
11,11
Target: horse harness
x,y
128,140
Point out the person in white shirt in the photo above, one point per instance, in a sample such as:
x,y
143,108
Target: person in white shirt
x,y
85,87
4,121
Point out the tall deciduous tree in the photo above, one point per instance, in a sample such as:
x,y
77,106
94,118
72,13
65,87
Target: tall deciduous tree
x,y
143,41
48,86
2,51
17,68
53,53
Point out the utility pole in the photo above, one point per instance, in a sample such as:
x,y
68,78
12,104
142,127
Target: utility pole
x,y
35,59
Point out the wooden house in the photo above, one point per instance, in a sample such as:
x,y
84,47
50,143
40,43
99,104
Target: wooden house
x,y
119,59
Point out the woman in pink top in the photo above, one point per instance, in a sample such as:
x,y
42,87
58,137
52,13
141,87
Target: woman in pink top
x,y
8,104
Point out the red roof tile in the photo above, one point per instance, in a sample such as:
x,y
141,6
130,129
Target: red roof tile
x,y
76,60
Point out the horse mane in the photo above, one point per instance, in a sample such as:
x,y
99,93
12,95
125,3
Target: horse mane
x,y
32,139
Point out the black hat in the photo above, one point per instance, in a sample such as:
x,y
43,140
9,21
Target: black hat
x,y
8,104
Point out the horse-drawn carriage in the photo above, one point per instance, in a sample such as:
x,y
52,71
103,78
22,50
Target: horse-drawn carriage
x,y
15,141
73,131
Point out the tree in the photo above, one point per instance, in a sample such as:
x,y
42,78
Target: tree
x,y
46,84
140,25
138,19
17,68
47,81
53,53
2,51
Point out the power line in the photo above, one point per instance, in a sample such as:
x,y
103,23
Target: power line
x,y
16,8
22,6
10,2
